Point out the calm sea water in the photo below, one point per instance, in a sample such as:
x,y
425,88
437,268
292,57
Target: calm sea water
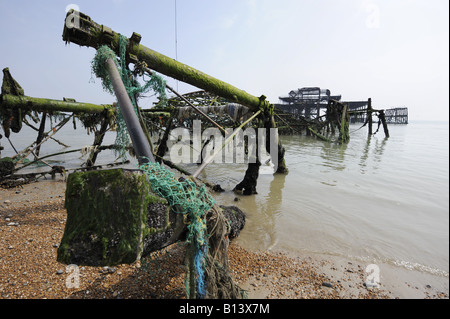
x,y
374,199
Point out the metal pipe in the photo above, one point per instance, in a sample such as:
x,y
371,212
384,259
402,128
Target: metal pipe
x,y
138,138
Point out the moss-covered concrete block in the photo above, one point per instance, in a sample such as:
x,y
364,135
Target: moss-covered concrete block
x,y
113,218
6,166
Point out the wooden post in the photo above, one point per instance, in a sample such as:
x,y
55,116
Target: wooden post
x,y
40,134
162,147
369,114
98,139
383,121
344,136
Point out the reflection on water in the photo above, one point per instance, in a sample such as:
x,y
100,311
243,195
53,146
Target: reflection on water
x,y
369,153
263,211
365,155
333,156
272,206
379,150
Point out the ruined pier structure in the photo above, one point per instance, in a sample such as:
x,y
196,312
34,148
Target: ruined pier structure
x,y
311,102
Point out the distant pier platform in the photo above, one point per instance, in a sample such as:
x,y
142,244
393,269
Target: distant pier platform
x,y
312,102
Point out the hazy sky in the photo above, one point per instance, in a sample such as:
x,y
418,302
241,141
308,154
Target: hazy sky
x,y
396,51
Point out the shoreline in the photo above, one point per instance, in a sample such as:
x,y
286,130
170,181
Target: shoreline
x,y
32,220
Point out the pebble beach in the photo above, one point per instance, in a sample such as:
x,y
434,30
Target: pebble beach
x,y
32,221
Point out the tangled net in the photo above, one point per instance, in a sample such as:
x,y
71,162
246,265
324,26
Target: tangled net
x,y
207,274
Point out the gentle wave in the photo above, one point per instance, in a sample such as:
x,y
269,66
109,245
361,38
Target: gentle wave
x,y
366,260
419,267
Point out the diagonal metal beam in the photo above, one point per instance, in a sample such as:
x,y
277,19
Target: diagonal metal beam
x,y
82,30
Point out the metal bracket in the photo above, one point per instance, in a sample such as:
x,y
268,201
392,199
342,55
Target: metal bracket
x,y
134,40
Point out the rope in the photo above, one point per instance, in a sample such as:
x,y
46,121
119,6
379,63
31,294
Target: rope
x,y
365,123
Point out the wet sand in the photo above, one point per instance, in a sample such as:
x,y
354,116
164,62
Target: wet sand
x,y
32,220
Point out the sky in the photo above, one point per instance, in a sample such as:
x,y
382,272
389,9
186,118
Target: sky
x,y
395,52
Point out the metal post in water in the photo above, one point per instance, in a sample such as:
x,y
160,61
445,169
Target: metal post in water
x,y
382,117
369,114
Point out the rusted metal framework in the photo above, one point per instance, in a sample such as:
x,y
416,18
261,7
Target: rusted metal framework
x,y
308,102
397,115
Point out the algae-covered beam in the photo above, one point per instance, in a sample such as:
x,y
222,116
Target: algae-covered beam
x,y
14,104
8,101
80,29
344,134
